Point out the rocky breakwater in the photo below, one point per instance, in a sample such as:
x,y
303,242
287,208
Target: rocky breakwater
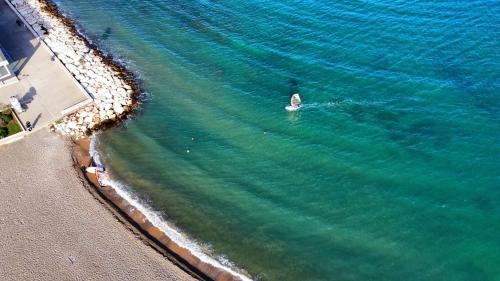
x,y
113,88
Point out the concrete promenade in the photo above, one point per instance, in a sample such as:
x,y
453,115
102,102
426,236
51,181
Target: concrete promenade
x,y
45,88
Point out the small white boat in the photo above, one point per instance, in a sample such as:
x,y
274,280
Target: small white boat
x,y
95,170
294,103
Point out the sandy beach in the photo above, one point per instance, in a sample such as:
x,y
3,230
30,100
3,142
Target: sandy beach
x,y
52,228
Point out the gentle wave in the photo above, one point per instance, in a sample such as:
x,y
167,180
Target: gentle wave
x,y
156,219
318,105
399,119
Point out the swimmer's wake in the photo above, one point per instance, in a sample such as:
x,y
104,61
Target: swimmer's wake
x,y
316,105
296,103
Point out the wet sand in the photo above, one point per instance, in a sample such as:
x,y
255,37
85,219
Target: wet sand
x,y
52,228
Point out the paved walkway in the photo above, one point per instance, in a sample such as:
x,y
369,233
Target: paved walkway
x,y
45,89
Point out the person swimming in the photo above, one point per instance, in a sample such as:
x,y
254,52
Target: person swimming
x,y
295,102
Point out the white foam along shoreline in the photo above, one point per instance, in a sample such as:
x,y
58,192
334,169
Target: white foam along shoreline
x,y
113,98
156,219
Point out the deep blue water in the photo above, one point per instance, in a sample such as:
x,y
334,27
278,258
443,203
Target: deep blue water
x,y
390,172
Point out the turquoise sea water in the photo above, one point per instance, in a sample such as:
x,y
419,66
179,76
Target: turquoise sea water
x,y
390,172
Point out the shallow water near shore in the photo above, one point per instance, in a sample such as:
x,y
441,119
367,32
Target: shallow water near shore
x,y
389,172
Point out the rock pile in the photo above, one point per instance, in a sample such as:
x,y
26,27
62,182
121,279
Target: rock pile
x,y
112,87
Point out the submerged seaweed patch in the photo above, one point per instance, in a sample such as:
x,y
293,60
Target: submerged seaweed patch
x,y
107,33
399,125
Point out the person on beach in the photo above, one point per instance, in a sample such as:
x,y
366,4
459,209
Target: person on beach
x,y
29,127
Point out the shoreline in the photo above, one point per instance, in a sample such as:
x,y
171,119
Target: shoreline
x,y
115,100
52,228
105,195
139,223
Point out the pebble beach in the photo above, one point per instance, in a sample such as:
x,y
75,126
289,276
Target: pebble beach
x,y
52,228
387,171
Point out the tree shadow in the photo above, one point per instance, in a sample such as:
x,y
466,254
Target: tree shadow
x,y
28,97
